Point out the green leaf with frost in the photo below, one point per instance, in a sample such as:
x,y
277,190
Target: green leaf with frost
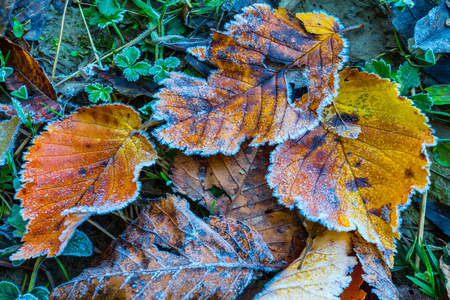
x,y
21,93
441,154
162,67
426,59
440,94
108,7
380,68
15,220
8,290
4,73
421,101
98,92
407,77
127,60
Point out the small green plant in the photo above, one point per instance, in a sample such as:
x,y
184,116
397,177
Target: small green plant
x,y
400,4
79,53
431,279
9,291
132,69
18,29
21,93
24,116
5,176
98,92
162,67
4,71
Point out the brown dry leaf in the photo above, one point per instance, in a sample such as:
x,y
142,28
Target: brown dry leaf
x,y
169,253
376,272
324,272
246,196
446,271
357,184
8,131
86,164
27,72
260,57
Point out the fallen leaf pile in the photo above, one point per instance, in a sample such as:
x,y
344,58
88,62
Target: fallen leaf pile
x,y
287,138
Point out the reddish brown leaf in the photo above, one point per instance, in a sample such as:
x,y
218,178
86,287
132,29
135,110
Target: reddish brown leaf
x,y
353,291
260,58
27,72
347,183
86,164
169,253
246,196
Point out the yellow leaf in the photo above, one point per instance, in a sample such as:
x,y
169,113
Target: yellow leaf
x,y
8,131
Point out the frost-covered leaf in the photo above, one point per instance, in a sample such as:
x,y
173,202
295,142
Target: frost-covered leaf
x,y
432,31
40,292
440,94
87,163
108,7
260,58
8,290
8,132
375,271
5,72
28,73
95,18
407,77
127,60
343,182
379,67
321,273
27,296
21,93
15,219
441,154
98,92
169,253
78,245
421,101
128,57
243,195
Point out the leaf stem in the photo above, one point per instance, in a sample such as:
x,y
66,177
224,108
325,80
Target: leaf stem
x,y
423,208
347,29
60,39
150,123
37,264
63,269
101,229
99,62
122,41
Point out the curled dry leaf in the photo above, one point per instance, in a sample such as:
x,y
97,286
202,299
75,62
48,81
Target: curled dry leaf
x,y
361,183
86,164
27,72
246,196
169,253
260,57
324,271
375,271
8,131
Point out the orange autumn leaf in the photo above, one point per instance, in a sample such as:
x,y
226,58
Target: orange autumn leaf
x,y
323,274
86,164
169,253
263,59
27,72
246,196
357,169
353,291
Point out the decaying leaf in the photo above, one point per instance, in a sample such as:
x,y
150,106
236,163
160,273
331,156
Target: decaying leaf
x,y
353,291
169,253
86,164
324,272
8,131
446,271
27,72
260,57
246,196
361,183
375,271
